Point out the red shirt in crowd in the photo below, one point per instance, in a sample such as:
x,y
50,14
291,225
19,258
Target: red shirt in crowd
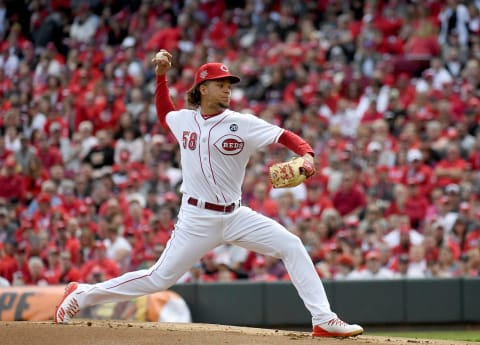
x,y
33,184
416,207
106,114
421,175
267,207
70,274
12,185
315,202
7,267
348,200
49,156
472,240
109,267
459,165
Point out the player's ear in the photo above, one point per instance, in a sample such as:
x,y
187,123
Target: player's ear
x,y
202,88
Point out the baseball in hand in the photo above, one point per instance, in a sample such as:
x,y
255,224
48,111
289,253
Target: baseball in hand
x,y
160,56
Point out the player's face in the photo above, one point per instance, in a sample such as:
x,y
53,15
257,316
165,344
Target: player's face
x,y
216,94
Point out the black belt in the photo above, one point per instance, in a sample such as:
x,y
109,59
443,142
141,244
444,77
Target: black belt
x,y
214,207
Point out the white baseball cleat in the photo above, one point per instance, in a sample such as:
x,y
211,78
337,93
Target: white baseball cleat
x,y
336,328
68,306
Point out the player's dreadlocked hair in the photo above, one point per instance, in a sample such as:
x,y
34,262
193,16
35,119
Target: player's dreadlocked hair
x,y
193,97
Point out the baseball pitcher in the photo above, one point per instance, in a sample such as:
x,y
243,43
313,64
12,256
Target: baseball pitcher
x,y
216,144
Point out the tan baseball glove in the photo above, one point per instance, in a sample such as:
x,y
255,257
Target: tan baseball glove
x,y
292,172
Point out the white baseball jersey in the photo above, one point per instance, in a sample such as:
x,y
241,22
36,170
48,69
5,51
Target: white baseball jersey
x,y
215,151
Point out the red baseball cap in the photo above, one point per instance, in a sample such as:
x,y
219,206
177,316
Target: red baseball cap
x,y
10,162
212,71
43,197
345,259
372,255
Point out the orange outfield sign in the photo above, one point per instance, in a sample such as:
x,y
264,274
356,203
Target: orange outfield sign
x,y
37,303
32,303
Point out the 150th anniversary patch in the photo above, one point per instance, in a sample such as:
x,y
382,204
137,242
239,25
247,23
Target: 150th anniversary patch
x,y
230,144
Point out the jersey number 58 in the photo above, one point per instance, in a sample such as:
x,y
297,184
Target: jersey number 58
x,y
189,140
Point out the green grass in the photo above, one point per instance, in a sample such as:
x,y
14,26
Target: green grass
x,y
461,335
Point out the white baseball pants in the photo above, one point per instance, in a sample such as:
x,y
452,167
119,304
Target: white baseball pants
x,y
198,231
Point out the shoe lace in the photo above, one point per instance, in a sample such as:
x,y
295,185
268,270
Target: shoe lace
x,y
336,322
72,308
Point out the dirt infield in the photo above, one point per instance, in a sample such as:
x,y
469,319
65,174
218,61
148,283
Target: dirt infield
x,y
123,333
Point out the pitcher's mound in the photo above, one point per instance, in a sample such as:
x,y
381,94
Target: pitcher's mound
x,y
83,332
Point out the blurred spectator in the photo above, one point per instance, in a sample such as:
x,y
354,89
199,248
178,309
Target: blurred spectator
x,y
235,256
275,267
316,201
12,182
454,19
260,271
422,43
451,168
35,175
350,199
107,112
99,265
36,272
130,141
4,152
52,269
25,153
262,202
373,214
136,216
459,234
417,266
404,231
381,188
49,194
102,154
69,272
344,267
87,139
118,248
287,208
418,173
84,25
210,267
446,214
470,264
49,155
71,154
373,268
416,205
224,273
17,271
7,226
447,265
12,142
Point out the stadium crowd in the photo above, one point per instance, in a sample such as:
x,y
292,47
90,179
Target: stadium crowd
x,y
386,92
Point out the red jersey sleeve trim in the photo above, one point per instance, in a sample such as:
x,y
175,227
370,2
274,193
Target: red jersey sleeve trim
x,y
163,102
295,143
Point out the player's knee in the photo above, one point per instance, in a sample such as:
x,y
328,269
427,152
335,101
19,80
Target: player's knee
x,y
290,246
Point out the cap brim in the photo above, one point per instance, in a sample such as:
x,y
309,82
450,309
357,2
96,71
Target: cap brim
x,y
233,79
